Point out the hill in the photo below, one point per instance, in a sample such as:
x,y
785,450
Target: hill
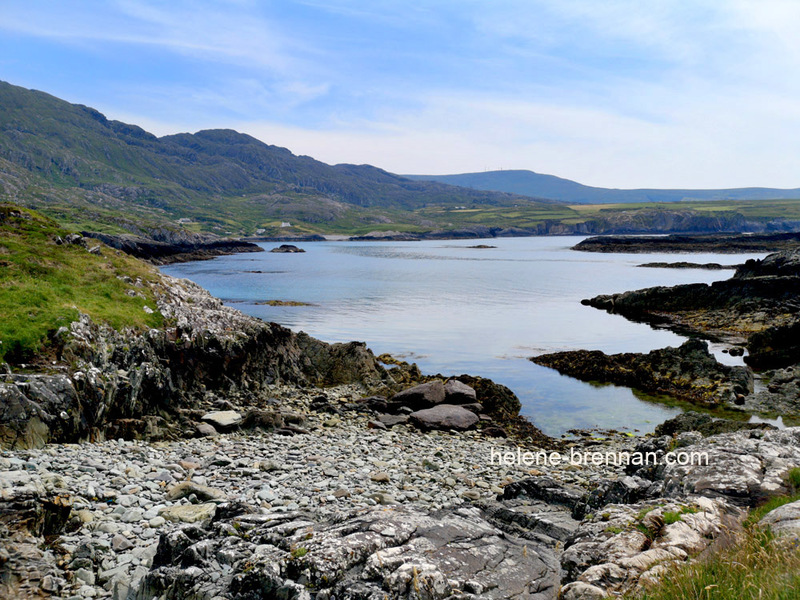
x,y
73,163
529,183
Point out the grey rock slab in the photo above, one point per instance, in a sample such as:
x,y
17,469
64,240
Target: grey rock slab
x,y
444,416
190,513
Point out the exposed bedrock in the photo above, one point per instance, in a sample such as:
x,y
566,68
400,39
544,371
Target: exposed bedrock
x,y
384,552
144,384
689,372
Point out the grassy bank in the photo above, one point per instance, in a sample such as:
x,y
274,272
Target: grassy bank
x,y
751,564
45,284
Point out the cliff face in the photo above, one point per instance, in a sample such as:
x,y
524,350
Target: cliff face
x,y
135,385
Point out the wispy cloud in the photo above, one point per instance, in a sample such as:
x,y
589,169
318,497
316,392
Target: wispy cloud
x,y
620,93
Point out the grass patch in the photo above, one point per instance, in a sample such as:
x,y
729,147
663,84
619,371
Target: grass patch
x,y
44,285
754,564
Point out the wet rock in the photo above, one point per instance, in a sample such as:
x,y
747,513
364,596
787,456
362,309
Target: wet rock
x,y
287,248
689,372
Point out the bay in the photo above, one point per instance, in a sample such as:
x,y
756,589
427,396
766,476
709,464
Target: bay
x,y
453,309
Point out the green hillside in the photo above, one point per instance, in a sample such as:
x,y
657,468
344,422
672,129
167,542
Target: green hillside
x,y
45,281
71,162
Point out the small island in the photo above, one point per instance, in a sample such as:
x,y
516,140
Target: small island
x,y
287,248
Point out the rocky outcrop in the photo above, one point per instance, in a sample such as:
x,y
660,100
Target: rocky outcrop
x,y
757,307
742,467
687,265
689,372
623,544
172,249
145,385
394,552
287,249
724,243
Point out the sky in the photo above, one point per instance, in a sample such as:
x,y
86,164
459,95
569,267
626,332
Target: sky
x,y
612,93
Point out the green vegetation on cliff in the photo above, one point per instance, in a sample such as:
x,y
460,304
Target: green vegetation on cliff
x,y
45,282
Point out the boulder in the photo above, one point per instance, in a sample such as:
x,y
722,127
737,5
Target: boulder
x,y
189,513
456,392
784,519
444,416
420,396
223,420
287,249
203,492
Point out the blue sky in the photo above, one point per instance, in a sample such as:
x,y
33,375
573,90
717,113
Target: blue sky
x,y
655,93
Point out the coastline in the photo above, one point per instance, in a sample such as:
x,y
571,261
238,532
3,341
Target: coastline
x,y
308,491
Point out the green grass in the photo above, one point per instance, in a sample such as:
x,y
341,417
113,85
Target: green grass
x,y
751,564
44,286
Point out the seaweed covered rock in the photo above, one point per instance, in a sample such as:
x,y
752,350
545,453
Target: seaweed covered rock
x,y
689,372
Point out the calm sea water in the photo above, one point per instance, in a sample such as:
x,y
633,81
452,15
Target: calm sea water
x,y
454,309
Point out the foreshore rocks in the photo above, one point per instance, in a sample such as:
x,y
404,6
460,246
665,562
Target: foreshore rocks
x,y
147,385
348,511
689,372
756,308
713,242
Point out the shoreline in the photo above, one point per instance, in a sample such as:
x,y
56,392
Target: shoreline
x,y
257,460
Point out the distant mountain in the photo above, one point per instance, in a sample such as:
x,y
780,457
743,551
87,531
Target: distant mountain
x,y
528,183
65,157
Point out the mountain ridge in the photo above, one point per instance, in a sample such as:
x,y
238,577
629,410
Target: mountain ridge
x,y
526,182
219,177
